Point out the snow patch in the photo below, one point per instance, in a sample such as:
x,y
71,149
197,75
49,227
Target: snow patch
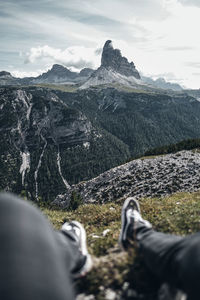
x,y
25,166
60,171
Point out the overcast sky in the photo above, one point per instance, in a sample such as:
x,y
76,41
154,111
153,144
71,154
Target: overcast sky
x,y
160,36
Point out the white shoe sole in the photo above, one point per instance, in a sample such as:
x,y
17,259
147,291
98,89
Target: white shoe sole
x,y
125,220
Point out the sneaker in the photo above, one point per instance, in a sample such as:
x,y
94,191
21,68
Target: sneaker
x,y
132,221
77,233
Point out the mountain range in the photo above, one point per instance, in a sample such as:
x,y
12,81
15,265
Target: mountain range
x,y
114,69
55,135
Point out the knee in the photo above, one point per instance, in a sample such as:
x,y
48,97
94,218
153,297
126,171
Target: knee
x,y
189,265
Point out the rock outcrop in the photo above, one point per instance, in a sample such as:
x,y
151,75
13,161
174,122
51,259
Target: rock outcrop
x,y
112,59
155,177
46,145
61,74
114,68
161,83
7,78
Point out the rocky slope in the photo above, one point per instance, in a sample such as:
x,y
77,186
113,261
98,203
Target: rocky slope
x,y
141,120
153,177
46,145
112,58
161,83
7,79
114,68
60,74
52,138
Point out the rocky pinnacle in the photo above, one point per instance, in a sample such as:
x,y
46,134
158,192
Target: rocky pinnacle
x,y
112,58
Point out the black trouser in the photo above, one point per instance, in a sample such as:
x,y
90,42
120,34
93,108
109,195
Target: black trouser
x,y
35,261
173,259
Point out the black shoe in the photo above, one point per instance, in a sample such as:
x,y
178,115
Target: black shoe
x,y
77,232
132,221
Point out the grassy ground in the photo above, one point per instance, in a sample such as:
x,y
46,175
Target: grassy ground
x,y
179,214
60,87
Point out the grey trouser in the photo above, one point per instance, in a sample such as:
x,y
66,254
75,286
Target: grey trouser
x,y
173,259
35,261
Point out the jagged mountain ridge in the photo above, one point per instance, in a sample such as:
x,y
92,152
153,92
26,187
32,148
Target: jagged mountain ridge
x,y
60,74
149,177
114,69
112,58
161,83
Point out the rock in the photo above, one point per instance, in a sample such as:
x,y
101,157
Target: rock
x,y
114,68
86,72
155,177
4,73
110,294
57,74
112,58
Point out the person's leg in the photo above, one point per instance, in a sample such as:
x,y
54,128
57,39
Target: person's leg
x,y
32,265
173,259
72,236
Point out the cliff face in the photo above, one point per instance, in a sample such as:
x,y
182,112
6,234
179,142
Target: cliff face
x,y
140,120
52,139
112,58
60,74
45,143
114,68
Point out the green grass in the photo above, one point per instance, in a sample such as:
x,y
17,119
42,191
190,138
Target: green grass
x,y
178,214
60,87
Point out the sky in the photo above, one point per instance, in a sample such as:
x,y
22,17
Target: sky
x,y
161,37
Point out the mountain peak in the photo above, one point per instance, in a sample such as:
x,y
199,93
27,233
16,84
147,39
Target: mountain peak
x,y
108,44
113,59
5,73
57,67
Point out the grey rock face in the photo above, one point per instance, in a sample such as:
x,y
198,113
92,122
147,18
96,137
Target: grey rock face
x,y
162,84
46,144
7,79
156,177
114,69
60,74
37,128
86,72
112,58
4,73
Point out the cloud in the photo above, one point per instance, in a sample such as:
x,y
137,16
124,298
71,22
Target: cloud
x,y
190,2
193,64
168,76
77,57
179,48
98,51
22,74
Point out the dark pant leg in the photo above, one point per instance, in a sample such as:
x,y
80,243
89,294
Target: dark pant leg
x,y
66,241
32,264
173,259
